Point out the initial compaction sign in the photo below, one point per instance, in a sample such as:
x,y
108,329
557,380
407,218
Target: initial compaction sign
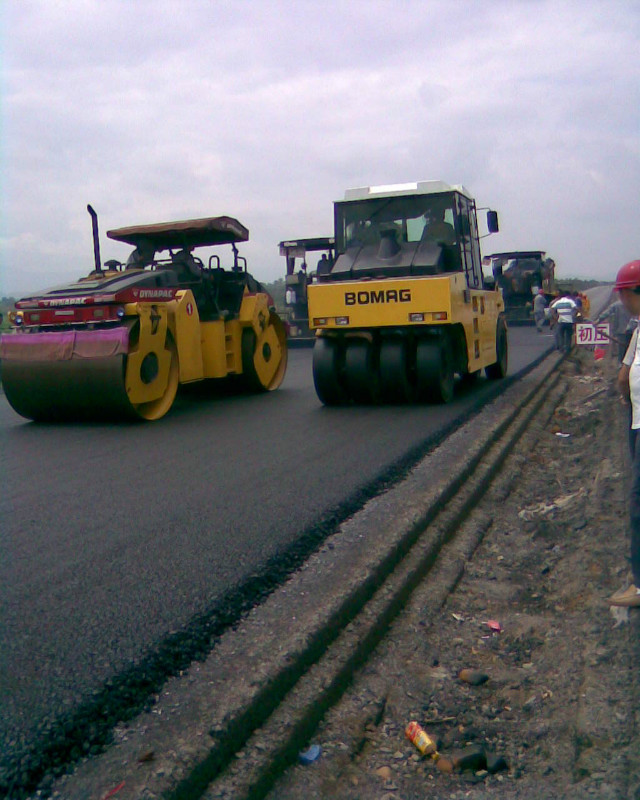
x,y
590,333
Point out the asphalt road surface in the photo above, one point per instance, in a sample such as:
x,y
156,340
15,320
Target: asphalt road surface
x,y
599,297
115,537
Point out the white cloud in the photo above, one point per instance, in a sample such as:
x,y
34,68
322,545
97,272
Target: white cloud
x,y
268,110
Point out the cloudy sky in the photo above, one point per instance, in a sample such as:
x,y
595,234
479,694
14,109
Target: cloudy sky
x,y
267,110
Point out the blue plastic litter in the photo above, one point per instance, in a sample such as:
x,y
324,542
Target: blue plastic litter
x,y
310,755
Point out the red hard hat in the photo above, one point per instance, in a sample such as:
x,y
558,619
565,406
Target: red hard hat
x,y
628,276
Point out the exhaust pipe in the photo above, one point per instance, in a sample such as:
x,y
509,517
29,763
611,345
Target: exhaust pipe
x,y
96,240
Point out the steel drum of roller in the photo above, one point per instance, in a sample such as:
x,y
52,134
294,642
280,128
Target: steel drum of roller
x,y
48,391
86,375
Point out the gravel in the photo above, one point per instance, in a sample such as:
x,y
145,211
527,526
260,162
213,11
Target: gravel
x,y
558,714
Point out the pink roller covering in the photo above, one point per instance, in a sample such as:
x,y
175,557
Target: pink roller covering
x,y
63,346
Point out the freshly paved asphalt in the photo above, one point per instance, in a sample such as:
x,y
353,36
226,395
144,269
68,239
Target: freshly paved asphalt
x,y
115,536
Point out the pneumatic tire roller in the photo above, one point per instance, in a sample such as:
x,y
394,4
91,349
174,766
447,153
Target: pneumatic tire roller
x,y
405,306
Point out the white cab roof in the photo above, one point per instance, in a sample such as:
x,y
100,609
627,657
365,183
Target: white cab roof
x,y
393,189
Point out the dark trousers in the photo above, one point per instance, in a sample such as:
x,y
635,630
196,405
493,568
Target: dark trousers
x,y
634,442
565,333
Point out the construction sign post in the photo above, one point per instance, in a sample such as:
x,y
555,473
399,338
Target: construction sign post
x,y
590,333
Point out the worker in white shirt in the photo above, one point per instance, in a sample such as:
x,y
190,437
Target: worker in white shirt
x,y
628,287
564,311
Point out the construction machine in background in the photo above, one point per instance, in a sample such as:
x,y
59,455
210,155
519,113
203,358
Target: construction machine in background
x,y
297,280
120,341
521,274
405,307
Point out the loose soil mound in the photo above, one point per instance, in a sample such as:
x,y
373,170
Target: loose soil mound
x,y
560,703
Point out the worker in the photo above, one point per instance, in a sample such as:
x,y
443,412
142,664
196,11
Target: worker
x,y
141,257
619,329
564,312
437,228
361,233
628,287
324,265
539,305
586,304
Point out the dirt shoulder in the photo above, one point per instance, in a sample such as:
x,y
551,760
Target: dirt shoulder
x,y
560,704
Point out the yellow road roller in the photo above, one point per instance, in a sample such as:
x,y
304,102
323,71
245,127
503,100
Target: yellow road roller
x,y
405,306
120,341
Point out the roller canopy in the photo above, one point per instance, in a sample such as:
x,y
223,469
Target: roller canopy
x,y
519,254
186,234
308,245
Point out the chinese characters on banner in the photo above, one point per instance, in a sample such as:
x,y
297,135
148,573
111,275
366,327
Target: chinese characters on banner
x,y
590,333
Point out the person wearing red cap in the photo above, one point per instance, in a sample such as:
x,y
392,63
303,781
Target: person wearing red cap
x,y
628,288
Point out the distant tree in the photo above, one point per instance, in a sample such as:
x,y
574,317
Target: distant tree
x,y
6,305
276,290
579,284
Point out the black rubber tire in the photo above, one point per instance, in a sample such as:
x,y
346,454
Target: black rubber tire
x,y
434,367
328,363
249,380
500,367
361,371
396,384
469,378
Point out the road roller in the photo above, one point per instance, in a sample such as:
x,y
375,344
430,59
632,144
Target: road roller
x,y
405,307
297,280
120,341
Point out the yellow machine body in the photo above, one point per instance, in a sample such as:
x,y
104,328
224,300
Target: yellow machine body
x,y
358,306
213,349
119,342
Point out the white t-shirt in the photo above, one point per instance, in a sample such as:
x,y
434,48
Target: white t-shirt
x,y
566,308
632,359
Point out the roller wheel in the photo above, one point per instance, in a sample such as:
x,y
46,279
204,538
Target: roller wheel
x,y
434,367
264,357
155,409
500,367
51,391
396,385
140,384
328,364
361,371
